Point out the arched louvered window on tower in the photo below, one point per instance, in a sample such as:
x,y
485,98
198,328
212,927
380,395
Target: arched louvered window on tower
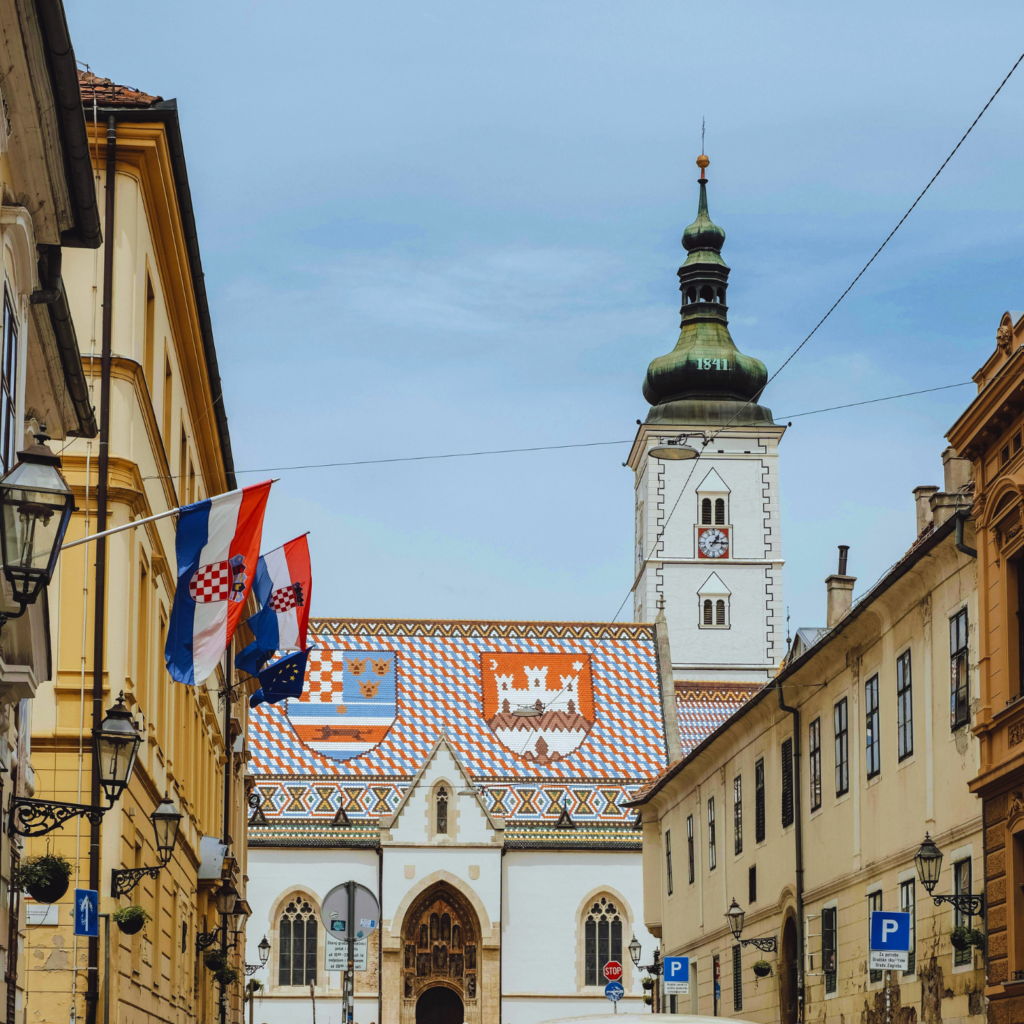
x,y
719,511
720,612
705,511
297,943
707,611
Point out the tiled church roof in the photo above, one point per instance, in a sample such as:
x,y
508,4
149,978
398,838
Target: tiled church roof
x,y
440,683
704,706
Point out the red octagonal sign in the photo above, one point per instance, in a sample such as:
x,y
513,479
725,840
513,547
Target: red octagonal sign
x,y
613,970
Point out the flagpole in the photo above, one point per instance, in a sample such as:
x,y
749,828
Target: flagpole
x,y
132,525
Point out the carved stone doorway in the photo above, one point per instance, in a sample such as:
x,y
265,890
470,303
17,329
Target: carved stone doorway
x,y
439,1005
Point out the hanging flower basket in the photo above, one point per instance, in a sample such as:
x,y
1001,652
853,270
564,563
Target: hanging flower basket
x,y
960,938
762,968
648,999
130,919
215,960
648,983
44,878
226,976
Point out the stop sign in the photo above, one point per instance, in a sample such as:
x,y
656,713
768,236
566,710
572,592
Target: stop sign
x,y
613,970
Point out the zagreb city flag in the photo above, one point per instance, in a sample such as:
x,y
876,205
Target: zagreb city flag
x,y
217,545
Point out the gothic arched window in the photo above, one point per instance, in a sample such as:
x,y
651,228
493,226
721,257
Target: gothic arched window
x,y
603,939
442,811
707,611
719,511
705,511
719,612
297,945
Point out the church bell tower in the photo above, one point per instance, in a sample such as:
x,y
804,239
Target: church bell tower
x,y
705,466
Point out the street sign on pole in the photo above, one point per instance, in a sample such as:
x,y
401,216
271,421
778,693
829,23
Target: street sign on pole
x,y
614,991
890,940
612,971
677,975
336,954
87,919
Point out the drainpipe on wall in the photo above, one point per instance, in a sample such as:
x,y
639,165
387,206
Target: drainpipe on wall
x,y
92,988
380,935
961,518
798,838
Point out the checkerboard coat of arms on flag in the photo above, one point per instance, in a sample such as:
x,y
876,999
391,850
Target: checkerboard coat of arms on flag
x,y
349,702
558,686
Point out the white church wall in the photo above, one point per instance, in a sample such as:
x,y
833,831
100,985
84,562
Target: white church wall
x,y
544,900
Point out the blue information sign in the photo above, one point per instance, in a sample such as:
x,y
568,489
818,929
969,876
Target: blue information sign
x,y
890,940
87,919
614,991
677,975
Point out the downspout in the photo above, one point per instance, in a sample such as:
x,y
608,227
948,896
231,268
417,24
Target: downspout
x,y
798,836
961,518
226,839
501,937
92,988
380,934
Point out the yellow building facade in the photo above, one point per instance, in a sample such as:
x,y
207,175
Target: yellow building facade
x,y
808,805
168,445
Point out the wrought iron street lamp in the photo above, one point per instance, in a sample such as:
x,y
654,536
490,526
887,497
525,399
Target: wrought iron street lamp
x,y
928,861
225,899
735,916
35,507
238,916
166,821
634,951
115,746
264,950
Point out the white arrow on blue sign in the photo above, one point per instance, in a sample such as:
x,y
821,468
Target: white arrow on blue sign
x,y
87,920
890,940
677,975
614,991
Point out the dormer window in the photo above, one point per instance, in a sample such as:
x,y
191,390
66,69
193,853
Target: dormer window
x,y
442,811
713,501
705,511
713,604
719,511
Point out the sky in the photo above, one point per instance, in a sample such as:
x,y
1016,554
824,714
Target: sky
x,y
455,227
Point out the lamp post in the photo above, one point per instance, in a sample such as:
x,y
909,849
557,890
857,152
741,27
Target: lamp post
x,y
35,508
735,916
264,950
928,861
116,744
166,821
225,899
653,969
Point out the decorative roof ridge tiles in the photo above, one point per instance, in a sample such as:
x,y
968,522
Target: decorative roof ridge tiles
x,y
108,94
520,629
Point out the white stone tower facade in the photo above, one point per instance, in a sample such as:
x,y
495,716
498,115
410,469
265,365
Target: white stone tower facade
x,y
708,547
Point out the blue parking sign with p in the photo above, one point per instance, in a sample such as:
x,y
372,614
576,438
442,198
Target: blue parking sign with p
x,y
890,940
676,975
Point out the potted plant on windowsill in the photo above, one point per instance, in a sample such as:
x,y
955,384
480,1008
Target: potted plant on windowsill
x,y
44,878
130,919
762,968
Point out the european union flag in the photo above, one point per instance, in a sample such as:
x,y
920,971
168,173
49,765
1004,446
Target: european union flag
x,y
285,678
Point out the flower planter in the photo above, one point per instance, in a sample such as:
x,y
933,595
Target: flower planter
x,y
762,969
48,892
960,939
132,925
131,919
45,878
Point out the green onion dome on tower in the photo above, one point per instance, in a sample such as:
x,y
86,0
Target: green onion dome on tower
x,y
705,379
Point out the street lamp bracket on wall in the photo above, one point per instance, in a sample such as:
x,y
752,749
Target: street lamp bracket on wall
x,y
258,818
251,969
38,817
769,945
966,903
123,880
204,940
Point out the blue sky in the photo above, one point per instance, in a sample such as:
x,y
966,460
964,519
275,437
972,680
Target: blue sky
x,y
455,226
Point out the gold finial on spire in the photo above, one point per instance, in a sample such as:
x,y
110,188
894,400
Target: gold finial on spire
x,y
702,162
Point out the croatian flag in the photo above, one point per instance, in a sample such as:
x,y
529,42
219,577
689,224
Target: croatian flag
x,y
217,545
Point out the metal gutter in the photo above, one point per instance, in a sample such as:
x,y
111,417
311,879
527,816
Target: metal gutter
x,y
166,112
78,169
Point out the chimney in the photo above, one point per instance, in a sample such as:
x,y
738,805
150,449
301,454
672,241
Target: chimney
x,y
956,472
922,499
840,589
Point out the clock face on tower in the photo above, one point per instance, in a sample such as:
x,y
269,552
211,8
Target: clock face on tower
x,y
713,543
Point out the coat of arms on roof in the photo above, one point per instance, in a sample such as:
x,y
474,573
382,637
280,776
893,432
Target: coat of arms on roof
x,y
349,703
540,706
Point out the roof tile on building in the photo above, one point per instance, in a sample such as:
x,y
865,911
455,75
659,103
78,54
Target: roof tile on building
x,y
704,706
108,94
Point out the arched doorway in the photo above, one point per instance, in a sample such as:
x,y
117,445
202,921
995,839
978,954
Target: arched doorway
x,y
787,973
439,1005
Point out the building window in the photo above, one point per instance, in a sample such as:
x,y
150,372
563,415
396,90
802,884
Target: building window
x,y
297,946
904,706
603,932
737,977
441,802
668,861
908,904
712,852
830,947
959,711
707,611
752,884
872,748
720,511
8,385
720,612
874,903
705,511
787,783
814,760
962,887
149,340
842,731
759,801
737,815
689,847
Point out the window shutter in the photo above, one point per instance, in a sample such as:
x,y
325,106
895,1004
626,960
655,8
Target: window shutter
x,y
759,802
787,783
737,977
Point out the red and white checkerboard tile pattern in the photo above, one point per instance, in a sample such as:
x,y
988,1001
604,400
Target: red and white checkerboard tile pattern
x,y
211,583
324,676
283,599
